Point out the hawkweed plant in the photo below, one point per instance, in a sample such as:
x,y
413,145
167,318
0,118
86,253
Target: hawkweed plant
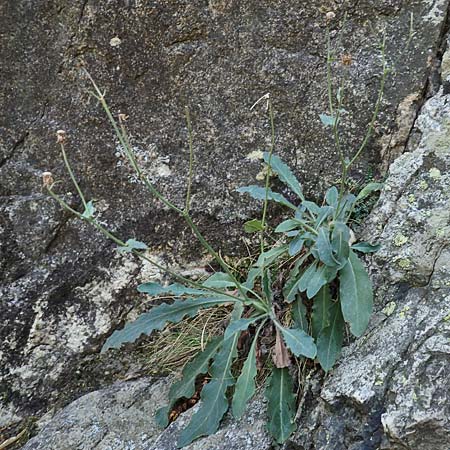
x,y
299,292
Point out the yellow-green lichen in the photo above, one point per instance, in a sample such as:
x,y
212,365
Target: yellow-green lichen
x,y
423,185
411,198
404,311
447,318
435,173
255,155
404,263
389,308
400,239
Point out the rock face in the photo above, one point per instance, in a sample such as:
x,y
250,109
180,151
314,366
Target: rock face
x,y
63,287
120,417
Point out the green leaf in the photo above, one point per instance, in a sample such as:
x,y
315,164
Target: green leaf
x,y
267,258
266,285
365,247
245,385
295,245
287,225
89,210
253,274
281,405
185,387
368,189
252,226
332,196
339,241
329,342
240,325
291,288
300,343
176,289
259,193
131,245
311,207
284,174
158,316
323,214
306,277
220,280
320,311
214,403
328,121
315,277
324,248
346,204
356,295
299,315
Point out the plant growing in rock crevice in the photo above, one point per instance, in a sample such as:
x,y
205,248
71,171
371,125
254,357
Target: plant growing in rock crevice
x,y
323,286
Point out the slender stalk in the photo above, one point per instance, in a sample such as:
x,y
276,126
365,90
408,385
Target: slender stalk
x,y
129,153
72,176
329,82
191,161
272,147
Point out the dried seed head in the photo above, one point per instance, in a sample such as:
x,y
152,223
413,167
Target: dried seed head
x,y
61,137
123,118
47,179
330,16
346,60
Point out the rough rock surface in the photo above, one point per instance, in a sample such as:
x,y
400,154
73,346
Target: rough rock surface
x,y
120,417
63,287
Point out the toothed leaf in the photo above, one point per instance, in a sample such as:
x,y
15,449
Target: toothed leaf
x,y
299,315
284,174
300,343
185,387
158,316
214,403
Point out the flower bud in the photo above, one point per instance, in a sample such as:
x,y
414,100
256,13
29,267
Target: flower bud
x,y
61,137
330,15
346,60
47,179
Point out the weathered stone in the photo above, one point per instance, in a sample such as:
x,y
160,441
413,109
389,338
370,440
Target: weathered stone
x,y
121,417
64,288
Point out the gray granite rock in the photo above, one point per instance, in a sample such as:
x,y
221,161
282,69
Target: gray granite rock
x,y
121,417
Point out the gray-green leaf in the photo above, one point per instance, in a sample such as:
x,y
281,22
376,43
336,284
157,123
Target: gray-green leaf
x,y
328,121
281,405
253,226
185,387
131,245
176,289
324,248
356,295
368,189
157,318
299,315
259,193
320,317
245,385
365,247
300,343
332,196
89,210
214,403
284,174
220,280
267,258
329,342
